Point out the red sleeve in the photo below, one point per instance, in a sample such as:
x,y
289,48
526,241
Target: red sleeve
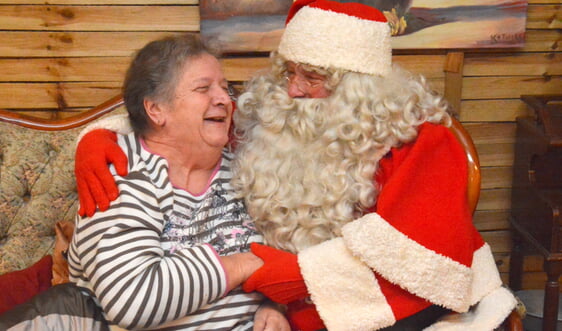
x,y
424,194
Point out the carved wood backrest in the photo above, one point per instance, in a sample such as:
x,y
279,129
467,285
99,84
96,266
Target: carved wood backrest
x,y
474,176
62,124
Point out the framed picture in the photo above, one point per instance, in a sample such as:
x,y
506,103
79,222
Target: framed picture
x,y
241,26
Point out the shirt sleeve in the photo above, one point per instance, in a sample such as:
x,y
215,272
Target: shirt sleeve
x,y
138,283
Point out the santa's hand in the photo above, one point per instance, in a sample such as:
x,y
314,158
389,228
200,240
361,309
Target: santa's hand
x,y
279,278
95,184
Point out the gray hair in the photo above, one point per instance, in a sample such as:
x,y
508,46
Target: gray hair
x,y
154,74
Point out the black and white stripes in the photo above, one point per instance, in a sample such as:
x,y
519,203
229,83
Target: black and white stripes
x,y
151,258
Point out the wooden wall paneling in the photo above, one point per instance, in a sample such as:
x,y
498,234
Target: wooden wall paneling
x,y
506,87
64,69
514,64
499,241
494,142
496,154
543,2
493,110
241,69
542,41
531,263
495,199
487,220
55,95
428,65
24,44
453,69
99,18
544,16
496,177
100,2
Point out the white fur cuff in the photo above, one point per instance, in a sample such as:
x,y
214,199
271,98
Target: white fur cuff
x,y
344,290
486,277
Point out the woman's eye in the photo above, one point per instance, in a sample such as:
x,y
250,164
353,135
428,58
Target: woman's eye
x,y
202,88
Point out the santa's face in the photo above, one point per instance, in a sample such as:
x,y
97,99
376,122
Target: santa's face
x,y
302,83
300,180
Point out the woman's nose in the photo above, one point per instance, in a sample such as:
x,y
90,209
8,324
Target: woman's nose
x,y
221,96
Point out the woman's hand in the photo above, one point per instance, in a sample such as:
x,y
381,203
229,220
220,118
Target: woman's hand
x,y
239,267
271,317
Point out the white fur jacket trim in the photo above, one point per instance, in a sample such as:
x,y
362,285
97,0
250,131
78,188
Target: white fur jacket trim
x,y
404,262
344,290
487,315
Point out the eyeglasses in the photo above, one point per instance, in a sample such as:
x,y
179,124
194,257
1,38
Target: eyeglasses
x,y
303,79
232,91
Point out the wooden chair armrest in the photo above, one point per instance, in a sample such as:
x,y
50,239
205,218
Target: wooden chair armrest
x,y
513,322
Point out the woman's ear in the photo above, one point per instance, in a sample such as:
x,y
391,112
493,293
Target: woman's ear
x,y
155,112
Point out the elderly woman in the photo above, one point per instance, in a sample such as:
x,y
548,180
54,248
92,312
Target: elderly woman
x,y
171,251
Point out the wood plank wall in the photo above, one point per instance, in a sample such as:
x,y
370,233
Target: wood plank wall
x,y
61,57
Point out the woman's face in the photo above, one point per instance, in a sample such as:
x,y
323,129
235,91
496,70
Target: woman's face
x,y
201,111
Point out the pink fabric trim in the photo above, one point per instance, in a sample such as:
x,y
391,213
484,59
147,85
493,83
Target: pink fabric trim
x,y
215,171
222,266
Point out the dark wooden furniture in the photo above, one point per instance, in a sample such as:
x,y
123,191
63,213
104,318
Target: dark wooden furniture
x,y
537,197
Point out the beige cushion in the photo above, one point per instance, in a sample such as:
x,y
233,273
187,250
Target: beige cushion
x,y
37,189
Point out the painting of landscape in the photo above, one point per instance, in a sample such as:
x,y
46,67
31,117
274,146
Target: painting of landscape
x,y
240,26
244,25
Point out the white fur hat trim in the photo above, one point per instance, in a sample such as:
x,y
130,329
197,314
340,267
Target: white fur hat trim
x,y
357,44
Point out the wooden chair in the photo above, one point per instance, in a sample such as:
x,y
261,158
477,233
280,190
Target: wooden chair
x,y
513,322
474,177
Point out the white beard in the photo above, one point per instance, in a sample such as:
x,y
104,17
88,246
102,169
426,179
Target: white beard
x,y
300,180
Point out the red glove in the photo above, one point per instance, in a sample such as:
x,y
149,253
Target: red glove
x,y
94,181
303,316
279,278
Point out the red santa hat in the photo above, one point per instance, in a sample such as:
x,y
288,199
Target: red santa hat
x,y
349,36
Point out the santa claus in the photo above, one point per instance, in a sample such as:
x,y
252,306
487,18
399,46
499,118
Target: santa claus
x,y
348,169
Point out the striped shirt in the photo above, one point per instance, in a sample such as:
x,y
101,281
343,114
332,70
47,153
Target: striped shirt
x,y
152,258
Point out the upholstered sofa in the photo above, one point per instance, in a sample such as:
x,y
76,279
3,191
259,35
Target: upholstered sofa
x,y
37,191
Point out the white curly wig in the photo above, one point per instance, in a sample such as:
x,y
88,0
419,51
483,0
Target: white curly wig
x,y
305,167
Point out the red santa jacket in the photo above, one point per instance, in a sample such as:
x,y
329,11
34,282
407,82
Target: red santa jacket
x,y
416,247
